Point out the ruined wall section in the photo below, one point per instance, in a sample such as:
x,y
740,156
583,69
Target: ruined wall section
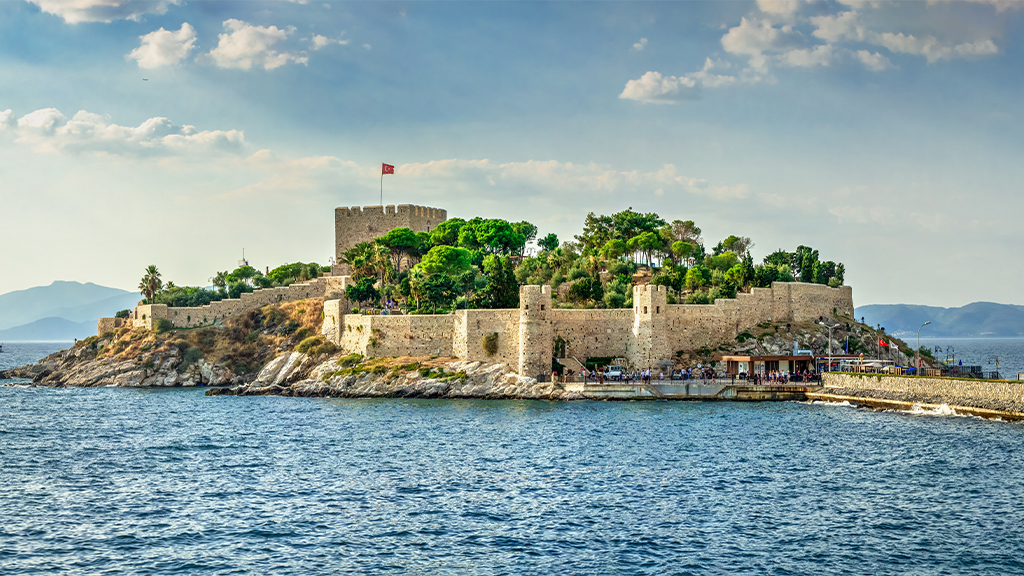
x,y
363,224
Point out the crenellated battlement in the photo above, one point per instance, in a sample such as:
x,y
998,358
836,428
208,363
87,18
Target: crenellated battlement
x,y
356,224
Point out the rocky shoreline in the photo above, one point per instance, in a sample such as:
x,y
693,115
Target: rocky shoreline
x,y
84,366
299,375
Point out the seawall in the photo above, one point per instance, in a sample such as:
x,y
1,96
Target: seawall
x,y
985,398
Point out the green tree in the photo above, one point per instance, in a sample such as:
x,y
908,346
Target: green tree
x,y
614,249
724,261
501,289
447,232
448,260
363,291
738,244
549,242
698,277
402,243
151,283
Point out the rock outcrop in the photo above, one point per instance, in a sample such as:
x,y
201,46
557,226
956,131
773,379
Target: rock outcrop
x,y
298,375
83,366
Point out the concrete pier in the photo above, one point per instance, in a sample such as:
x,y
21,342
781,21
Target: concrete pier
x,y
691,390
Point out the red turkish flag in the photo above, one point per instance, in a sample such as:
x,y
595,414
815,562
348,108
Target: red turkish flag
x,y
883,343
386,169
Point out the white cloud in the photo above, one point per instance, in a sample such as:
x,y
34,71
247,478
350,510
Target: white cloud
x,y
570,179
245,46
48,130
808,57
872,61
164,47
933,49
655,88
785,8
838,27
323,42
76,11
753,38
999,5
367,46
639,46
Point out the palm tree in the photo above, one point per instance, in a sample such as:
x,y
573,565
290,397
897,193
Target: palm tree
x,y
151,283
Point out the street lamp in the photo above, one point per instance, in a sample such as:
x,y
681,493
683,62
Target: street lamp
x,y
918,351
829,343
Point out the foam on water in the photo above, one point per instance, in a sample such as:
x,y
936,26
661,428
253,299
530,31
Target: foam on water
x,y
942,410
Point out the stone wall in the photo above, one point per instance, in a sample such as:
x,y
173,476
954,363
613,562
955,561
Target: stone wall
x,y
650,332
363,224
973,396
144,315
108,325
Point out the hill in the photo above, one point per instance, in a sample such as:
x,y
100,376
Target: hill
x,y
49,330
978,319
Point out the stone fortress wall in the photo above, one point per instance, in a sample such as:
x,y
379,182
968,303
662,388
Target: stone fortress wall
x,y
650,332
146,315
363,224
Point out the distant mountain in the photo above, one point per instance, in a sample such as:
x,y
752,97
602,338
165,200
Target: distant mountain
x,y
49,330
980,319
71,300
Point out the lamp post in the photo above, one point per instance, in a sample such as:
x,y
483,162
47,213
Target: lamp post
x,y
918,351
830,327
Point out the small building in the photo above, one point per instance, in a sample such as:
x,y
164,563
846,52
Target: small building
x,y
764,364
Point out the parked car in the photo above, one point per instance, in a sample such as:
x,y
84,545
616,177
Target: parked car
x,y
614,372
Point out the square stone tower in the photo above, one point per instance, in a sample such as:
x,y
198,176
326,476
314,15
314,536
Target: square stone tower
x,y
363,224
650,326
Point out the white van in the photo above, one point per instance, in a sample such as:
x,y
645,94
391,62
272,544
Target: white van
x,y
614,372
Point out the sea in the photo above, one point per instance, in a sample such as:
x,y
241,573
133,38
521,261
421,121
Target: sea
x,y
151,481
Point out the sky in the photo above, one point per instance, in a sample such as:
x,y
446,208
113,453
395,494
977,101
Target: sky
x,y
174,133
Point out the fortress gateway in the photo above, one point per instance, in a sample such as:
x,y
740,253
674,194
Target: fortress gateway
x,y
649,332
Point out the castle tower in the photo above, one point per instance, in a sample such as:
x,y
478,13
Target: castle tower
x,y
354,225
650,325
536,337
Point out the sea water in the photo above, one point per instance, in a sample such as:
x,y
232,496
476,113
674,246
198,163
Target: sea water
x,y
146,481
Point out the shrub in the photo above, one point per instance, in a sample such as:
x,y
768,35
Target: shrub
x,y
163,325
288,328
122,314
192,355
308,343
350,360
698,297
303,333
273,316
490,344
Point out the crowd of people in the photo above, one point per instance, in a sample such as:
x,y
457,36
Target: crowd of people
x,y
601,376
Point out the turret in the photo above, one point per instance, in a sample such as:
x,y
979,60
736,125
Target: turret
x,y
535,334
650,325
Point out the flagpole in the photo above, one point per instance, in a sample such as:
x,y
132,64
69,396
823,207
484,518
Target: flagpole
x,y
381,186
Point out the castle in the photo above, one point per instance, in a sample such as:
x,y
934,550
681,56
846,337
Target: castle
x,y
528,337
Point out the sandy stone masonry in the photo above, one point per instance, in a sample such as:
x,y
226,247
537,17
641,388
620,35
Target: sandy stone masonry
x,y
146,315
354,225
646,334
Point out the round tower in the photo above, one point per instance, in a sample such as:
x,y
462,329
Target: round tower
x,y
535,333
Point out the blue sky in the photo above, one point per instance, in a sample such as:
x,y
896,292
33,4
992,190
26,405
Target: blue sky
x,y
887,135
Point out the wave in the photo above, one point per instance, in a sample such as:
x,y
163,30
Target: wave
x,y
941,410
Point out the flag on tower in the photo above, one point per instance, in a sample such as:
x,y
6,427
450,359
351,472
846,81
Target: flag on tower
x,y
386,169
883,343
